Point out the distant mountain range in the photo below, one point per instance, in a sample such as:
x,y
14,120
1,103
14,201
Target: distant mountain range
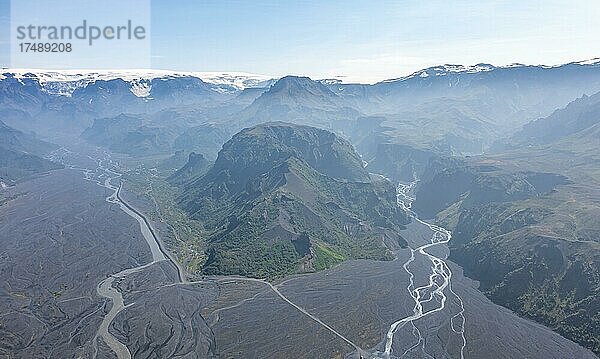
x,y
447,109
64,82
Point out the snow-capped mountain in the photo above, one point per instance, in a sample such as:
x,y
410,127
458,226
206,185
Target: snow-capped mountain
x,y
239,80
64,82
444,70
449,69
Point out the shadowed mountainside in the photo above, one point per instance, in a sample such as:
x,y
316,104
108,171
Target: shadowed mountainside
x,y
21,154
515,232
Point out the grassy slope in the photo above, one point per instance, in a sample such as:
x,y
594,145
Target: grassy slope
x,y
256,238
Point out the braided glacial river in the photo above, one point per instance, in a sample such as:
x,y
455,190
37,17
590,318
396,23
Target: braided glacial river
x,y
434,294
104,176
406,308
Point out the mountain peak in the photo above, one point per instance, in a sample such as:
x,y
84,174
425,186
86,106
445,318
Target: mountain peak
x,y
270,143
301,89
293,83
284,196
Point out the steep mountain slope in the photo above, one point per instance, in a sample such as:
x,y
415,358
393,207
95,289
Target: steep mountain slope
x,y
21,94
517,86
283,198
456,109
130,135
21,154
299,100
580,116
98,98
19,141
206,139
530,238
446,109
15,165
108,131
566,142
174,162
116,96
195,167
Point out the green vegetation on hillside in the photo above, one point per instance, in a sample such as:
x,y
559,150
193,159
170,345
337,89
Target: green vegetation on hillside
x,y
532,245
283,198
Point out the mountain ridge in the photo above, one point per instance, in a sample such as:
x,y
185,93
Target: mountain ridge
x,y
243,80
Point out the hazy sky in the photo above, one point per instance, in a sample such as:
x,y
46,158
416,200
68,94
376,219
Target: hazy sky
x,y
364,40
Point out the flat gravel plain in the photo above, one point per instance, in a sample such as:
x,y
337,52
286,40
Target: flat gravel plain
x,y
58,239
360,299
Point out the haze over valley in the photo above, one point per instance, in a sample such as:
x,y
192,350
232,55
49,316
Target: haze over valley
x,y
450,213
